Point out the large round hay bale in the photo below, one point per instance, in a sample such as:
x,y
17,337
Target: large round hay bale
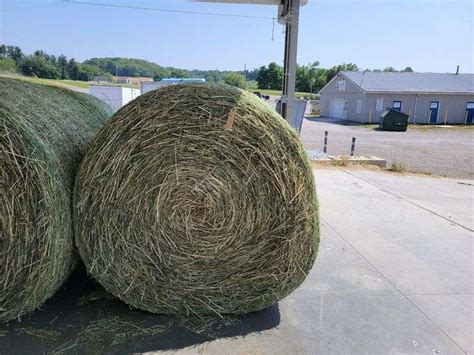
x,y
44,132
197,199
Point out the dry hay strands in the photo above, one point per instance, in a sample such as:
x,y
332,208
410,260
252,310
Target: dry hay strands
x,y
197,199
44,132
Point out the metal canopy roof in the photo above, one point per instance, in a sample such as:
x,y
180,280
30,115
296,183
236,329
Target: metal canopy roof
x,y
283,5
261,2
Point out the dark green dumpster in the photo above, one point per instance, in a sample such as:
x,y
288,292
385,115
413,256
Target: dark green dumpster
x,y
393,120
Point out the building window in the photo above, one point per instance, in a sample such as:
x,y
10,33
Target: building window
x,y
379,105
341,85
397,105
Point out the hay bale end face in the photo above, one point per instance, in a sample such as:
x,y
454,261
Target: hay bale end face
x,y
197,199
44,132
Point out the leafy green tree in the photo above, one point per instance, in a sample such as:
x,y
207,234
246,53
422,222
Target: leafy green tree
x,y
73,69
408,70
38,66
3,52
341,67
271,77
16,54
157,77
62,64
212,76
178,73
390,69
235,79
310,78
251,74
7,65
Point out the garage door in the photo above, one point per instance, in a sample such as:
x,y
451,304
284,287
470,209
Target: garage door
x,y
338,108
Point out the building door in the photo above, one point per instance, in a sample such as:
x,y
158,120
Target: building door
x,y
470,112
434,111
339,108
397,105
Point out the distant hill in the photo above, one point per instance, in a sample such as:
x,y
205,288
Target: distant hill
x,y
127,66
144,68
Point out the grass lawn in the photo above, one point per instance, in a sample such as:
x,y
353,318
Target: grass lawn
x,y
62,83
424,127
428,127
278,92
54,82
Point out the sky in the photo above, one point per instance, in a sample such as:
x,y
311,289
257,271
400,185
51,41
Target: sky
x,y
427,35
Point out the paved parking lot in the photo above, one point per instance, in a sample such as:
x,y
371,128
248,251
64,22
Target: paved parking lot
x,y
440,151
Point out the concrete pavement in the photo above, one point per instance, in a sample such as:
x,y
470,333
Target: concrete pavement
x,y
394,272
394,275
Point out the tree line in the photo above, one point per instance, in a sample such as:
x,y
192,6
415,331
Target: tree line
x,y
309,78
44,65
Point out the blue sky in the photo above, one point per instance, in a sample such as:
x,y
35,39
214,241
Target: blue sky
x,y
428,35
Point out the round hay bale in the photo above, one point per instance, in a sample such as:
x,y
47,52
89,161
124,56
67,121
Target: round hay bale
x,y
197,199
44,132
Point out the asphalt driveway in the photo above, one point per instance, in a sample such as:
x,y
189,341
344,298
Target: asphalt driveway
x,y
440,151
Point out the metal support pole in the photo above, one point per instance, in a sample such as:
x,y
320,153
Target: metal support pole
x,y
353,146
289,70
325,148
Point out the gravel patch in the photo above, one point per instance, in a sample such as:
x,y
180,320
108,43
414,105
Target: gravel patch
x,y
439,151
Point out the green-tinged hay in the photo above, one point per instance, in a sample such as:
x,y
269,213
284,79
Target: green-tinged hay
x,y
197,199
44,132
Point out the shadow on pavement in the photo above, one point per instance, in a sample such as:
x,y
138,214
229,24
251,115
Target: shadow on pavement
x,y
82,318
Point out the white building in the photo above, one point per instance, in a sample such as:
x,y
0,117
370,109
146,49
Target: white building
x,y
114,96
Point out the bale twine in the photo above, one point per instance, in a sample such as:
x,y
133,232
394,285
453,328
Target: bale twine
x,y
197,199
44,132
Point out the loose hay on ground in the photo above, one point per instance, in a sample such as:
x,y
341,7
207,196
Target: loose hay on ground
x,y
44,132
197,199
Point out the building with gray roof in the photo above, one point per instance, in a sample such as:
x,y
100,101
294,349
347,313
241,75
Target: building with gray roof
x,y
428,98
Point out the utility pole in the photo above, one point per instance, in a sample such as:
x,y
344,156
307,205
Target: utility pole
x,y
289,71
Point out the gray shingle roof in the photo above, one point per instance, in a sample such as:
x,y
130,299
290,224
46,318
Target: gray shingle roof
x,y
412,82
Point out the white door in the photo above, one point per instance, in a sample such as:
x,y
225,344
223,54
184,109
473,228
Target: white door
x,y
338,108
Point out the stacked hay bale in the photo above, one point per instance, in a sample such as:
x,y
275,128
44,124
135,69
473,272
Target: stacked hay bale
x,y
44,132
197,199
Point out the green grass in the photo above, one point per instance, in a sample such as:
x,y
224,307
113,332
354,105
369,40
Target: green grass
x,y
62,83
278,92
54,82
397,167
428,127
424,127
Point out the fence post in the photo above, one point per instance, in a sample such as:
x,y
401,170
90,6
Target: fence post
x,y
325,148
353,146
